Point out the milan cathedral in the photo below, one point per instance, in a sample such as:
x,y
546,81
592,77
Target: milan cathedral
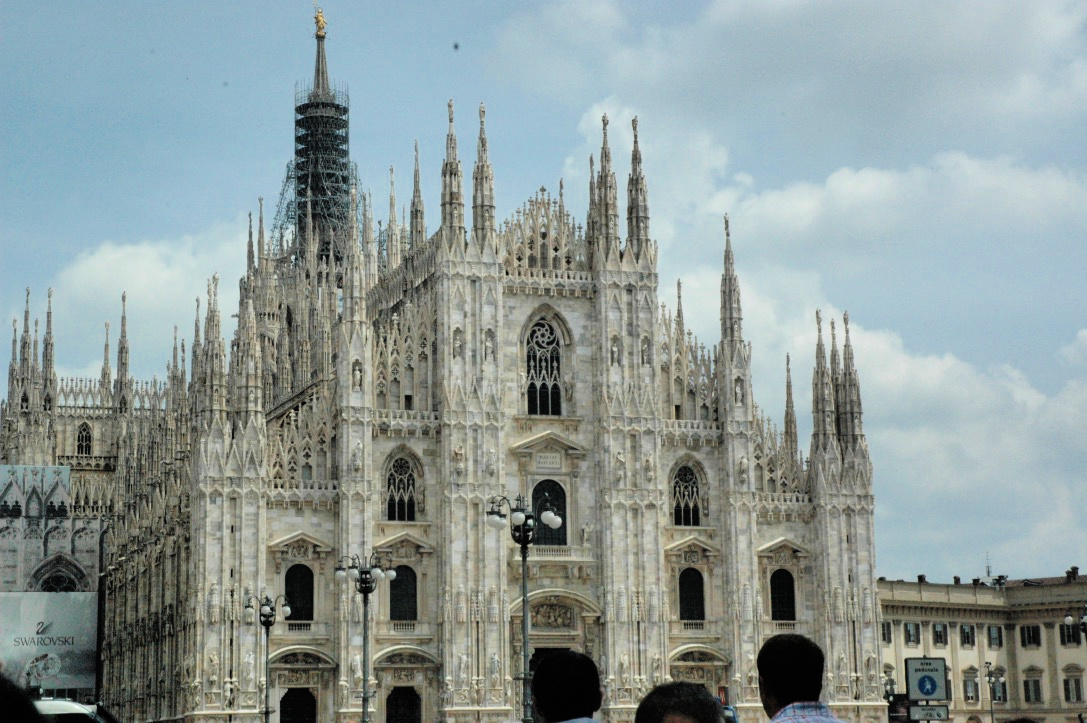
x,y
385,383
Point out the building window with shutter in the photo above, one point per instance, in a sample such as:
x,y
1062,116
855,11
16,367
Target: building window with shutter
x,y
1030,636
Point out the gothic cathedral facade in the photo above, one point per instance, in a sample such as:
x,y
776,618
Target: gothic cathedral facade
x,y
383,386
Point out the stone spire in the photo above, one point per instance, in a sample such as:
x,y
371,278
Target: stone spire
x,y
592,220
824,422
246,367
196,368
260,231
214,362
850,413
122,345
48,374
107,373
637,200
791,441
250,255
452,184
13,365
483,227
607,201
679,313
731,313
418,222
322,89
392,230
24,340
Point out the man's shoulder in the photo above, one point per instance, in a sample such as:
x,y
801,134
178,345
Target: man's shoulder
x,y
806,711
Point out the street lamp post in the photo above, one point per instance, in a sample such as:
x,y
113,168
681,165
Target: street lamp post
x,y
267,620
1070,619
523,532
894,713
993,679
365,575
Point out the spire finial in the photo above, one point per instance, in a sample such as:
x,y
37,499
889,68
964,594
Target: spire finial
x,y
634,124
450,112
604,119
482,114
728,236
319,20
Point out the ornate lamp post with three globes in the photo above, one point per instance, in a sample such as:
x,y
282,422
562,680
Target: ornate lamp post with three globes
x,y
365,574
523,530
267,620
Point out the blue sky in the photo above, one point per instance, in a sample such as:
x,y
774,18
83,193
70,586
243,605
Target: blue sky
x,y
917,164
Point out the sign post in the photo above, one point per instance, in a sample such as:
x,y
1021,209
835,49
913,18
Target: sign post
x,y
926,681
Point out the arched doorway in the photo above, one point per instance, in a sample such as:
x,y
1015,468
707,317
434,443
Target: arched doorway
x,y
404,705
298,705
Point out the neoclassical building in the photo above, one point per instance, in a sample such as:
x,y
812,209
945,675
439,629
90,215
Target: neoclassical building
x,y
1007,649
384,382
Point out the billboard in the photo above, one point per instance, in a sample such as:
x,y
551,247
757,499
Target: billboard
x,y
50,635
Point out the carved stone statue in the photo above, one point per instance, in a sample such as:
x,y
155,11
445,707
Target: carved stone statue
x,y
213,670
462,670
356,670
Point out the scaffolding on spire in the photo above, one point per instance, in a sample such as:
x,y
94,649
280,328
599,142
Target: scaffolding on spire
x,y
321,174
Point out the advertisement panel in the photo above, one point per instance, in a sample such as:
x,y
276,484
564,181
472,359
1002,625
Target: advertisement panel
x,y
50,635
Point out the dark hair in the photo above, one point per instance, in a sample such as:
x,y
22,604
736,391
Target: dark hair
x,y
16,702
566,685
791,668
687,699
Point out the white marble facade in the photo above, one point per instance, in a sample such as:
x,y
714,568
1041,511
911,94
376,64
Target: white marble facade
x,y
381,387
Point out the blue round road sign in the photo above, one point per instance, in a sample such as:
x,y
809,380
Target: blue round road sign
x,y
926,684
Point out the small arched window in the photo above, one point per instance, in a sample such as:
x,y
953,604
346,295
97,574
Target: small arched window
x,y
298,589
83,440
782,596
403,596
692,600
556,497
686,501
59,582
544,370
401,497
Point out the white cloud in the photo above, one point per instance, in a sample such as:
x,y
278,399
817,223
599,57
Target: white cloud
x,y
971,452
1076,352
161,280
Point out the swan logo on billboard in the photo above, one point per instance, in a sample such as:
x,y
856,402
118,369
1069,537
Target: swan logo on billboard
x,y
49,638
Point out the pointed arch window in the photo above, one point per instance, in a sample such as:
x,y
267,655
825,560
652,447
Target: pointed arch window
x,y
556,496
686,500
83,440
59,582
692,599
782,596
403,595
298,586
402,499
544,370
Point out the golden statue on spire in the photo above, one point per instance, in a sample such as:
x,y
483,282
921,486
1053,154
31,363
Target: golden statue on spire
x,y
319,20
